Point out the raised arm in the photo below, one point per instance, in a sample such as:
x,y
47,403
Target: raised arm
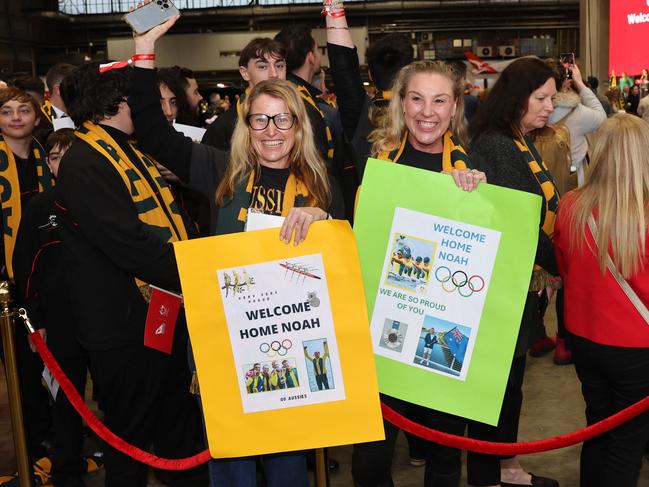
x,y
306,354
345,69
337,28
593,113
199,166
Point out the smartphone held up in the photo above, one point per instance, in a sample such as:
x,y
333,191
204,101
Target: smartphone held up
x,y
567,59
147,16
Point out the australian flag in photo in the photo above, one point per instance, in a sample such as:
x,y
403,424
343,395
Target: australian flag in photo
x,y
457,343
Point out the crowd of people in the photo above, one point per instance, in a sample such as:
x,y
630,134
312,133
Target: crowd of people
x,y
627,92
90,214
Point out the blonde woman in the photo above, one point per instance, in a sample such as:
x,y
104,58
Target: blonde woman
x,y
421,128
606,219
424,123
273,167
273,156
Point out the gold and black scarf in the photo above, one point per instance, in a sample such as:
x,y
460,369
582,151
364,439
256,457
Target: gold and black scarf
x,y
453,156
241,98
48,111
155,204
306,96
11,207
382,98
551,196
233,215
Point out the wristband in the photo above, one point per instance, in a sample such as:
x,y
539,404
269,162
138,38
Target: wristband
x,y
327,12
143,57
333,8
122,64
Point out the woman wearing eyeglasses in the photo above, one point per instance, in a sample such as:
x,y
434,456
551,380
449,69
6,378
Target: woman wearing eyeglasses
x,y
273,167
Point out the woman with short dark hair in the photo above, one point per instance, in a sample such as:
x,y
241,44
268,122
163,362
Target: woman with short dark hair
x,y
520,101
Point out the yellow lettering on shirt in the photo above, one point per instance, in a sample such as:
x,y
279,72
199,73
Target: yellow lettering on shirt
x,y
267,200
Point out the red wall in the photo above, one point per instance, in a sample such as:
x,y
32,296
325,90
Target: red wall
x,y
629,36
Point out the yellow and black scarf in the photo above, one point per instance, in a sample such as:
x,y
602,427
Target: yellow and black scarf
x,y
155,205
48,111
453,156
11,207
551,196
306,96
242,97
233,215
382,98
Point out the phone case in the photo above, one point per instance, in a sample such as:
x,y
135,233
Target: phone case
x,y
148,16
567,57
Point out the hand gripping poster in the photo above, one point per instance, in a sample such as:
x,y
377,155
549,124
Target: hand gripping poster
x,y
446,274
280,337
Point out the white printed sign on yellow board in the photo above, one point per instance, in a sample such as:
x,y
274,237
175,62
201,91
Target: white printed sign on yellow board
x,y
281,337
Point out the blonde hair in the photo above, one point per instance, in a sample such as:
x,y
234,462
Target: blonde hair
x,y
391,126
617,186
305,162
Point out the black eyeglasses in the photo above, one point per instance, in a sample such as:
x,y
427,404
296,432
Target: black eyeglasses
x,y
259,121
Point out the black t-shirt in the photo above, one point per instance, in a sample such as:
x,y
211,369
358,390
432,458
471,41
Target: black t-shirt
x,y
422,160
268,191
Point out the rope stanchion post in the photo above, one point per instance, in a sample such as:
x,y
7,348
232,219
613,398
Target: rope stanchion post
x,y
321,479
24,466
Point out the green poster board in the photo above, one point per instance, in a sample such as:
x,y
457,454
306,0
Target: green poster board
x,y
446,275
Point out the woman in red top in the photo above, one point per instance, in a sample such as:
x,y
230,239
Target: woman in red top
x,y
610,338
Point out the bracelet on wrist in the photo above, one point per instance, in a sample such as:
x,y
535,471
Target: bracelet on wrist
x,y
122,64
336,14
143,57
333,8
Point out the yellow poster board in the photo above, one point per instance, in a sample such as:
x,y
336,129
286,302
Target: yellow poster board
x,y
281,340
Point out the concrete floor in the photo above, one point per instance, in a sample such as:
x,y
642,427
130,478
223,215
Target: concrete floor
x,y
553,405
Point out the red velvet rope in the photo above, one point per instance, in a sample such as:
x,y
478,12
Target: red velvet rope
x,y
446,439
521,448
98,427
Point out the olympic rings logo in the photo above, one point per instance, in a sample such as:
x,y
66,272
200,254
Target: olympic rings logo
x,y
459,280
276,348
